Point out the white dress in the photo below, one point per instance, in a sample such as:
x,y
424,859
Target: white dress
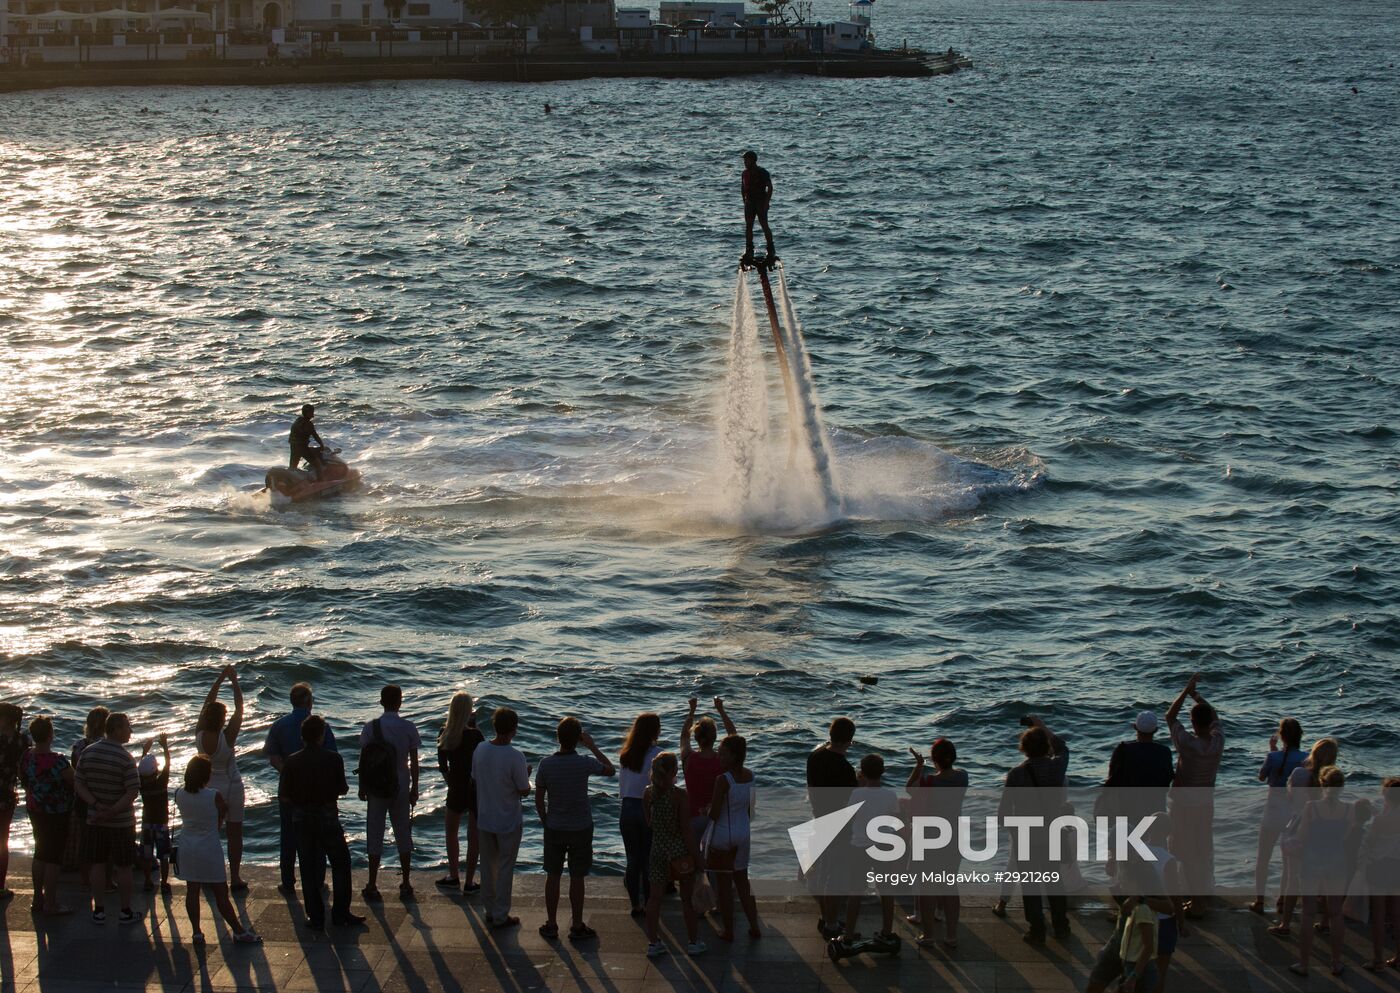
x,y
226,780
732,828
201,857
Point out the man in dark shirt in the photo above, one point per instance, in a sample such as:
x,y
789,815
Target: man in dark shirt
x,y
283,741
300,441
1036,788
313,779
830,779
757,188
1145,766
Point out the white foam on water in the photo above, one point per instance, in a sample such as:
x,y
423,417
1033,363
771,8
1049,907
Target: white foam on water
x,y
771,476
811,430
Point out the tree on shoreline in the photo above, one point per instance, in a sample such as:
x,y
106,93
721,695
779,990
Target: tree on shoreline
x,y
788,13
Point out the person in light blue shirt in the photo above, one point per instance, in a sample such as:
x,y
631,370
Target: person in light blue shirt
x,y
284,740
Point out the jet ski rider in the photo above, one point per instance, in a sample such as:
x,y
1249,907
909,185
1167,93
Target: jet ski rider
x,y
299,439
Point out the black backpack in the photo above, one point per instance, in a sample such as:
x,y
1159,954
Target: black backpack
x,y
379,768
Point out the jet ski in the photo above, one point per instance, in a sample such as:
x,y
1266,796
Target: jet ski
x,y
336,477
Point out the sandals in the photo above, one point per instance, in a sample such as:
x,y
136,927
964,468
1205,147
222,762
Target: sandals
x,y
549,930
372,894
405,891
1280,930
448,882
999,909
248,937
1257,907
504,922
238,887
1298,969
581,932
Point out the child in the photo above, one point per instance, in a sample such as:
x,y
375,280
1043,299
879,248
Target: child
x,y
202,811
1138,950
155,814
876,801
674,853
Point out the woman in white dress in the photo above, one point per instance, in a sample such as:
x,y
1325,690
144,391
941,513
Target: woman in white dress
x,y
730,813
216,737
201,855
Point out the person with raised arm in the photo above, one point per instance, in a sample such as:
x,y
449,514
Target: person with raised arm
x,y
155,813
1198,753
701,765
939,793
561,800
216,736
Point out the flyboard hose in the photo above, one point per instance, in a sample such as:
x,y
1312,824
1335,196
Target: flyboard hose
x,y
782,358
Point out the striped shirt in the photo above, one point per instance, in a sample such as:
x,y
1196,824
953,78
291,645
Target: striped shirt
x,y
108,772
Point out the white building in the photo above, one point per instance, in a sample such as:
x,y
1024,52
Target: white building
x,y
675,11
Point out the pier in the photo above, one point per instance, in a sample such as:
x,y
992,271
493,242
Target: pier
x,y
440,944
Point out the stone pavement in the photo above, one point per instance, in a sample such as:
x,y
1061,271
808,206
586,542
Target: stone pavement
x,y
439,943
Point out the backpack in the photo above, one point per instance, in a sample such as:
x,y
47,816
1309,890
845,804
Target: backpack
x,y
379,767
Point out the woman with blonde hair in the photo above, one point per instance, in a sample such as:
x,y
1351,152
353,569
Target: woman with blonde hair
x,y
456,745
1323,832
216,736
1303,779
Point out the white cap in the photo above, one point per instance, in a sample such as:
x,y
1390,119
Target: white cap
x,y
1146,722
147,765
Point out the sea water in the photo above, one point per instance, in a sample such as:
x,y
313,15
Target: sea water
x,y
1103,335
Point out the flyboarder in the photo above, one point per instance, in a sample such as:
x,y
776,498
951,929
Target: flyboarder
x,y
757,187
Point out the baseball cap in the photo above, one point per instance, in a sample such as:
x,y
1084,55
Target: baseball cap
x,y
147,765
1146,722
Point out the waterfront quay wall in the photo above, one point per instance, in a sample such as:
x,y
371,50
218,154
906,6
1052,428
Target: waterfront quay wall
x,y
250,70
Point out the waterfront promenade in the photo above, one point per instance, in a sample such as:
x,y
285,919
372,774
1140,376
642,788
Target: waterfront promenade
x,y
558,69
439,943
